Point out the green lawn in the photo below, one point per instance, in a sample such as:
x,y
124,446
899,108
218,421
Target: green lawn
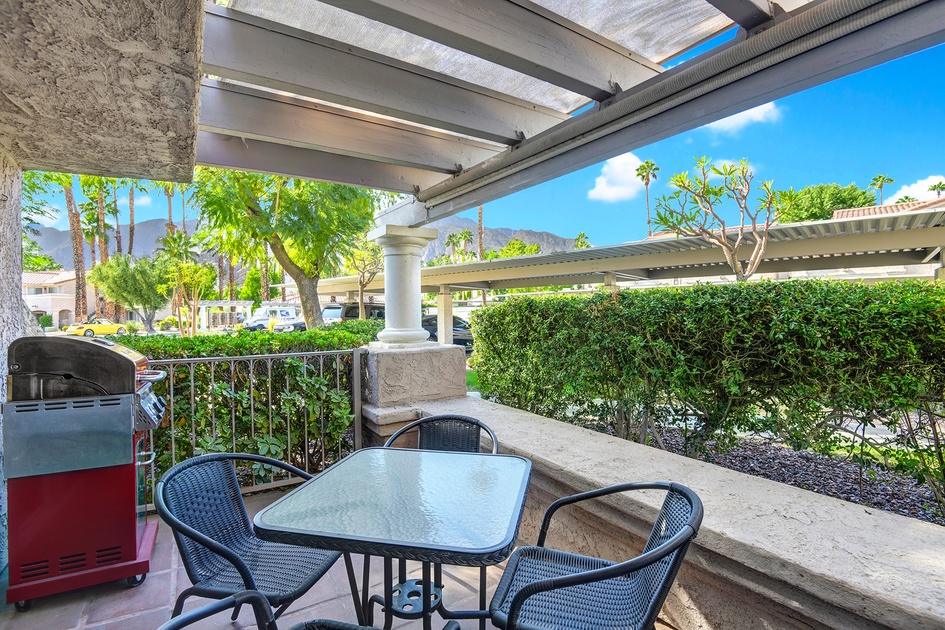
x,y
472,381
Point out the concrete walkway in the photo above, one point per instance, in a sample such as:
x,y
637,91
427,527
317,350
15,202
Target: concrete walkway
x,y
115,606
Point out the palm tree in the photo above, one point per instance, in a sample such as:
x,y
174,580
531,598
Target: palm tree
x,y
81,307
93,232
465,239
906,199
178,247
480,247
133,185
452,242
647,173
937,188
878,182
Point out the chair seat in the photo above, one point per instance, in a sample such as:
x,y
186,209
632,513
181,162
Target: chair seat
x,y
277,569
608,604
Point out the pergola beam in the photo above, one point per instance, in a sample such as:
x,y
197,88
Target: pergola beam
x,y
246,48
246,154
749,14
519,35
893,37
251,113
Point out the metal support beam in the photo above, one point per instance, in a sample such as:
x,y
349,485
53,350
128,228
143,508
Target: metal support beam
x,y
749,14
519,35
245,154
245,48
236,110
608,132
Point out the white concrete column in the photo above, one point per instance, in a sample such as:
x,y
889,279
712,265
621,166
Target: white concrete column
x,y
402,291
444,315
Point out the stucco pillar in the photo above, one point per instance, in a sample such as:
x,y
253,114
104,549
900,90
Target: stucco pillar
x,y
444,315
402,296
12,323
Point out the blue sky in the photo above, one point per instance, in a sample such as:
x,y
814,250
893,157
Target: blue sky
x,y
889,119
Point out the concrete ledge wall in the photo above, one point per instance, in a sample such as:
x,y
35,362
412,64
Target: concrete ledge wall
x,y
767,556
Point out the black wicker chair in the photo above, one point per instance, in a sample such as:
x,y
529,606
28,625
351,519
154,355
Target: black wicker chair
x,y
544,588
200,500
263,613
448,432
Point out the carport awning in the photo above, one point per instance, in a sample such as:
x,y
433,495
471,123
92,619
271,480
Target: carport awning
x,y
456,103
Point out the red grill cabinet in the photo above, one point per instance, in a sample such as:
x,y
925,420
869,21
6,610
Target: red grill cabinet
x,y
74,427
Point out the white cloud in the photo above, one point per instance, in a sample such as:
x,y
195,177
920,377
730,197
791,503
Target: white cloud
x,y
618,180
141,201
767,113
919,190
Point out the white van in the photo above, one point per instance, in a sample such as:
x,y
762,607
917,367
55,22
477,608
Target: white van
x,y
264,315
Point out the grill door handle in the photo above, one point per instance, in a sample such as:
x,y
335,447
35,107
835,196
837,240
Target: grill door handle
x,y
150,455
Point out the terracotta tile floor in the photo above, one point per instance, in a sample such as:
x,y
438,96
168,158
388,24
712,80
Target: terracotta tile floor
x,y
114,606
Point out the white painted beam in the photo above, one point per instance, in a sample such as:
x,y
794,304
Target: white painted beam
x,y
907,32
245,48
519,35
236,110
246,154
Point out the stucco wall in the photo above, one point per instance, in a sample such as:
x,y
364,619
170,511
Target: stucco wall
x,y
768,555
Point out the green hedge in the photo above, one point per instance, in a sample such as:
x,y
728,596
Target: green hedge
x,y
297,410
716,360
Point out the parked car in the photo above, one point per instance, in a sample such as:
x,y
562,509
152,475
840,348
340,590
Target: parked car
x,y
462,336
276,314
293,326
99,326
339,312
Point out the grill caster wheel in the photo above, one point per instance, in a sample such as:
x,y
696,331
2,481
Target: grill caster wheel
x,y
24,605
136,580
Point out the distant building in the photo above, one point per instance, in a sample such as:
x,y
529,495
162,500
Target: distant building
x,y
53,293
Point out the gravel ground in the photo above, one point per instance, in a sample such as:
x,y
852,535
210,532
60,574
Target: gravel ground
x,y
874,487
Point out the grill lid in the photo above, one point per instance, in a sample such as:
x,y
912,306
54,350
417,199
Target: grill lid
x,y
43,368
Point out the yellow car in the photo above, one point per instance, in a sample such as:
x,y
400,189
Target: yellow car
x,y
96,327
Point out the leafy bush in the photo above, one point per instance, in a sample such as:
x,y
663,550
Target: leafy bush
x,y
45,321
797,359
297,408
169,323
132,327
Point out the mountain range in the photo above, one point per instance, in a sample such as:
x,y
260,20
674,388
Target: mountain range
x,y
56,243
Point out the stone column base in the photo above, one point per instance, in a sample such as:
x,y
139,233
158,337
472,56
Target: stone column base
x,y
399,377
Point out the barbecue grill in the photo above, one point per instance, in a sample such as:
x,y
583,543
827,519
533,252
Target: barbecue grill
x,y
74,434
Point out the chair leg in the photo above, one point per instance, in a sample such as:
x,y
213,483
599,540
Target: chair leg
x,y
236,612
275,615
179,606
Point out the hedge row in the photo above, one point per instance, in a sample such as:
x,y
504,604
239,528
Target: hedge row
x,y
717,360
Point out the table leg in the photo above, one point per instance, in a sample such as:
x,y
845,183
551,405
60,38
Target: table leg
x,y
388,593
426,590
359,606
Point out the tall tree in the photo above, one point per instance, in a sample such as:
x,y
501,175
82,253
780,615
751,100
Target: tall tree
x,y
480,246
90,232
695,210
452,243
365,260
133,186
647,173
937,188
114,209
465,240
135,284
581,242
906,199
308,225
878,182
65,181
819,202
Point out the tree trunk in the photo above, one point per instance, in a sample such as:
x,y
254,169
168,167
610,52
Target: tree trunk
x,y
117,223
169,193
307,286
264,275
81,311
232,273
481,247
131,219
98,299
220,278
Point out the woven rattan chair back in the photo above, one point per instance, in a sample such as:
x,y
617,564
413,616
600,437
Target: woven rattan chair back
x,y
205,494
448,432
545,588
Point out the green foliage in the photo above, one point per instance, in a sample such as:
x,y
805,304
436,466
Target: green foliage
x,y
786,358
132,327
169,323
252,286
818,203
33,210
135,284
45,321
297,409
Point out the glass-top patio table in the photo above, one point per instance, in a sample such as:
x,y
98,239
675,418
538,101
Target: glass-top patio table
x,y
433,506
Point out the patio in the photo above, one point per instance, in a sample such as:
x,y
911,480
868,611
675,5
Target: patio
x,y
114,606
